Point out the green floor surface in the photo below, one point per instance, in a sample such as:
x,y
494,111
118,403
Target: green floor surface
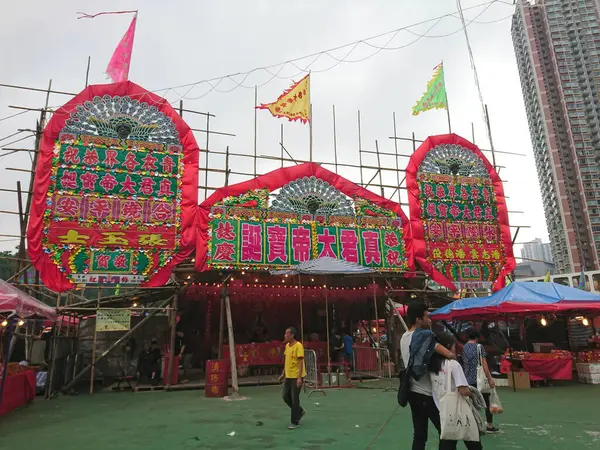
x,y
562,417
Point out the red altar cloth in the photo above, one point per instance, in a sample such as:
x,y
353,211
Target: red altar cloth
x,y
19,390
269,353
549,369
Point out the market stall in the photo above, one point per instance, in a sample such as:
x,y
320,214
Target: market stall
x,y
17,385
542,301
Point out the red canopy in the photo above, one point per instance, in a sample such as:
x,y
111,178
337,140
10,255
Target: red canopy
x,y
17,301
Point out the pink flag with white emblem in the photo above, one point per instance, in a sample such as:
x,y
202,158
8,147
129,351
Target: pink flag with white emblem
x,y
118,66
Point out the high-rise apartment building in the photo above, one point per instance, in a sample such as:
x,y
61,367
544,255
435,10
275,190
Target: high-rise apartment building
x,y
536,250
557,46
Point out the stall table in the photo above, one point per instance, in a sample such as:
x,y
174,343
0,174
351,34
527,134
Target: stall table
x,y
19,390
557,365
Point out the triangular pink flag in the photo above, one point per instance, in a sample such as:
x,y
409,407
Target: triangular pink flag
x,y
118,66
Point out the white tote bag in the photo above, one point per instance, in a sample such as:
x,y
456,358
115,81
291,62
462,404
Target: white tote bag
x,y
456,417
483,385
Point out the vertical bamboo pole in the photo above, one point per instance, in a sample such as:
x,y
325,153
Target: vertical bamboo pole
x,y
281,145
87,71
376,313
206,159
255,121
93,367
234,377
221,328
414,142
327,326
472,132
172,342
335,159
396,157
379,168
360,152
56,333
310,135
301,312
489,130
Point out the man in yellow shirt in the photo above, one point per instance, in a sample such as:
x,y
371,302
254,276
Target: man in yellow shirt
x,y
293,373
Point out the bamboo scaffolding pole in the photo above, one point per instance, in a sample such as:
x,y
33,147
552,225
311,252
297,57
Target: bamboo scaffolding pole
x,y
56,334
335,158
93,366
113,346
172,343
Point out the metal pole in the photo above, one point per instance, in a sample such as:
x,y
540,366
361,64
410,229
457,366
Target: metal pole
x,y
172,342
122,339
93,366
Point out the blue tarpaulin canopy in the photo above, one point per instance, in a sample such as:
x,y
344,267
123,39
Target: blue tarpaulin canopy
x,y
521,298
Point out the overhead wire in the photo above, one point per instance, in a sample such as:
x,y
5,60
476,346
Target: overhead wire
x,y
213,83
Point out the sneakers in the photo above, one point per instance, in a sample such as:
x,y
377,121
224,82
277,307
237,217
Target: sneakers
x,y
492,430
293,426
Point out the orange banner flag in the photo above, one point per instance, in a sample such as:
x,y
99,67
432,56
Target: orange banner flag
x,y
294,103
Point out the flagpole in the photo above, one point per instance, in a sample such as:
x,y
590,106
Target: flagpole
x,y
447,102
310,121
255,120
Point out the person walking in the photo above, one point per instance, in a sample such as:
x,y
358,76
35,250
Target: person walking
x,y
420,398
473,355
442,370
293,374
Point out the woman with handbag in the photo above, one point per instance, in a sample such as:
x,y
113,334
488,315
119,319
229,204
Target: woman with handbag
x,y
450,393
478,373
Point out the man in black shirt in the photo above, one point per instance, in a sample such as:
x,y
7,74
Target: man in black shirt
x,y
183,352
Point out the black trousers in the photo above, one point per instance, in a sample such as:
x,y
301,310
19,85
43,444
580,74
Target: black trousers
x,y
451,445
423,409
291,396
488,414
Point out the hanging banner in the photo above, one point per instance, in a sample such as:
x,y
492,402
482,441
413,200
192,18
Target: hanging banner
x,y
315,214
113,319
115,190
459,218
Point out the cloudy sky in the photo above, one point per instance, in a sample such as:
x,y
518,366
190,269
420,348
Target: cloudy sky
x,y
190,41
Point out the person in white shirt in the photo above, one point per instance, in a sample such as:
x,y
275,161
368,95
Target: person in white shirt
x,y
438,371
421,403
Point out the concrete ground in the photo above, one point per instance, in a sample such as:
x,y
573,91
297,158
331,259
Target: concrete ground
x,y
561,417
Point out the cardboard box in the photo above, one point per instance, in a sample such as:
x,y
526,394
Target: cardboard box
x,y
522,380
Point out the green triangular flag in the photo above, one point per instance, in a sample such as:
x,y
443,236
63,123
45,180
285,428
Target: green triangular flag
x,y
435,96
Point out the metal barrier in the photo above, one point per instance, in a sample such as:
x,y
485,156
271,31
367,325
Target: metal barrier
x,y
375,364
312,379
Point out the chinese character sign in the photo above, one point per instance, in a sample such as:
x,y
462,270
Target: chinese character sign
x,y
458,214
240,243
112,191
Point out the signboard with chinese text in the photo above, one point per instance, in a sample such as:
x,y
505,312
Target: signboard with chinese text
x,y
308,218
112,190
113,319
459,218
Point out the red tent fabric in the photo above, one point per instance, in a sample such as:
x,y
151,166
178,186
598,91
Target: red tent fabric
x,y
17,301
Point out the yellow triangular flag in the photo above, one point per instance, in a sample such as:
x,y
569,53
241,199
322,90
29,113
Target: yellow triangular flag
x,y
547,277
294,103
